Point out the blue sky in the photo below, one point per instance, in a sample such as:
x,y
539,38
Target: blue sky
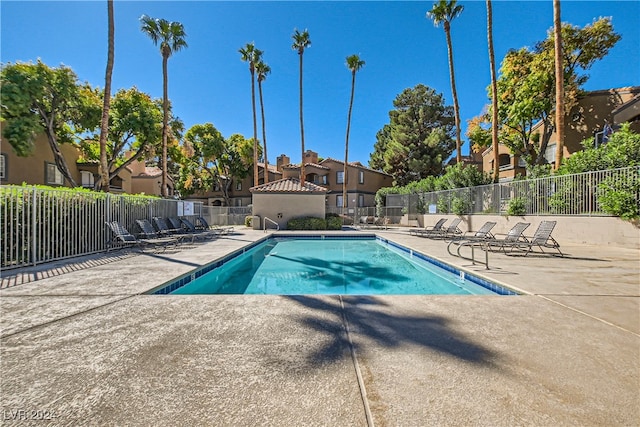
x,y
209,83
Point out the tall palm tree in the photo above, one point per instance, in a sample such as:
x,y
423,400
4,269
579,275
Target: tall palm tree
x,y
443,12
557,32
354,63
106,105
301,41
494,95
250,54
171,38
262,70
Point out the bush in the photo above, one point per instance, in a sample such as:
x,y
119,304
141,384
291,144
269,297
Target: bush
x,y
307,223
516,207
620,197
334,223
247,221
459,205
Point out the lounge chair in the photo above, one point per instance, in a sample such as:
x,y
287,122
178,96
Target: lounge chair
x,y
202,224
515,235
450,231
163,227
122,237
188,226
148,232
541,238
437,228
473,237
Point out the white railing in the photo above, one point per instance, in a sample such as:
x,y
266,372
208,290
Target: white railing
x,y
576,194
41,225
264,224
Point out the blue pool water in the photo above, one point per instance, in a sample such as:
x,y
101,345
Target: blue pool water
x,y
287,266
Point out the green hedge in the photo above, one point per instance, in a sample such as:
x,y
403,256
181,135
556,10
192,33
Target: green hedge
x,y
331,222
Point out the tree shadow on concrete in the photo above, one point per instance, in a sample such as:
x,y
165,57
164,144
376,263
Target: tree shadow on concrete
x,y
368,322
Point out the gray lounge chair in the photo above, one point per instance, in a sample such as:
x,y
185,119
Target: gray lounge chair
x,y
436,228
515,235
148,232
190,228
122,238
448,232
202,224
473,237
541,238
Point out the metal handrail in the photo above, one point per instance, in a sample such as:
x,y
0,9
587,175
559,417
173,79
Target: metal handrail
x,y
472,244
264,224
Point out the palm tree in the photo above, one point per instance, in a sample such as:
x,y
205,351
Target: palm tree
x,y
445,11
301,41
171,37
250,54
104,122
557,32
262,70
354,63
494,95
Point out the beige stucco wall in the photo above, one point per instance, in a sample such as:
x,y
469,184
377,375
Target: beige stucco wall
x,y
281,207
593,230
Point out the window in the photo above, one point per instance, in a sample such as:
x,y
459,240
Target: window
x,y
87,179
522,162
360,200
340,177
3,167
239,186
54,176
361,177
339,201
550,153
323,180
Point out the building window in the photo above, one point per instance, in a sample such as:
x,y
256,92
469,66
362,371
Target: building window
x,y
239,186
361,177
360,200
339,201
54,176
323,180
550,153
87,179
340,177
3,166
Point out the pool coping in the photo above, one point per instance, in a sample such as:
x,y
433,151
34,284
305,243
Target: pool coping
x,y
171,285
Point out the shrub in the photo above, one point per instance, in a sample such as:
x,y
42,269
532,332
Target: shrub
x,y
334,223
307,223
620,197
459,205
516,207
247,221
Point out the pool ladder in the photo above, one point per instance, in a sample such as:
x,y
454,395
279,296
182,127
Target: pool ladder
x,y
264,224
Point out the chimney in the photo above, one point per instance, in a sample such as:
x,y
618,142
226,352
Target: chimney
x,y
282,160
310,157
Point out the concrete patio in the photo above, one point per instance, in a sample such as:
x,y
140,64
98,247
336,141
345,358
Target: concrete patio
x,y
81,344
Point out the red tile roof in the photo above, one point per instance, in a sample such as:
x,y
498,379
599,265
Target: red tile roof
x,y
288,185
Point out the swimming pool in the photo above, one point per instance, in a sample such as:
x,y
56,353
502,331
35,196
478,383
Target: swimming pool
x,y
332,266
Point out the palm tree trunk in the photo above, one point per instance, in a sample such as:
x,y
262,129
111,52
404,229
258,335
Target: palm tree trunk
x,y
104,123
255,129
302,175
494,95
264,135
165,120
346,144
456,108
557,29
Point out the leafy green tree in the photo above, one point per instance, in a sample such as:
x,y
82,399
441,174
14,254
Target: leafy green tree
x,y
135,131
262,70
35,99
418,138
171,37
354,64
104,122
443,12
210,159
250,54
301,41
526,87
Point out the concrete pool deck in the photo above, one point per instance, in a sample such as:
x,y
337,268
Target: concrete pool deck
x,y
82,345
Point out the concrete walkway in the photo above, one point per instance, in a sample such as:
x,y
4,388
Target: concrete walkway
x,y
82,345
